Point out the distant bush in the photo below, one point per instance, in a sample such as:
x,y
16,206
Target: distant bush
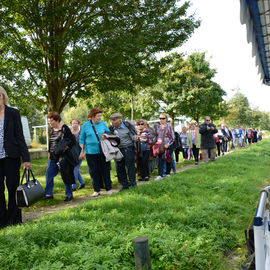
x,y
42,139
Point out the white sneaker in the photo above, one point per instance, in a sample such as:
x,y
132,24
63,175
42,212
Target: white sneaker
x,y
158,178
109,192
95,194
168,175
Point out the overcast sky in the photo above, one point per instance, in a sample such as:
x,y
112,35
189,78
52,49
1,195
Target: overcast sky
x,y
223,37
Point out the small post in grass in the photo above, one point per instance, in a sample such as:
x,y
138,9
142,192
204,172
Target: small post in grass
x,y
141,253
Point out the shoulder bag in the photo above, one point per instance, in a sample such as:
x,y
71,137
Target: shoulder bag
x,y
100,149
29,192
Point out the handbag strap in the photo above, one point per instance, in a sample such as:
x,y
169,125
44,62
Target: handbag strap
x,y
95,130
26,175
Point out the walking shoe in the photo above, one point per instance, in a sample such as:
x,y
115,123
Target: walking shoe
x,y
109,192
146,178
196,163
67,199
167,175
95,194
158,178
73,189
81,186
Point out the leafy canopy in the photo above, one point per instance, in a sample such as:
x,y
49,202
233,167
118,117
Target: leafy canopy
x,y
51,50
187,88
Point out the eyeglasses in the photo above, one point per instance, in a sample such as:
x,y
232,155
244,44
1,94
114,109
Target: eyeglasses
x,y
207,120
161,118
141,124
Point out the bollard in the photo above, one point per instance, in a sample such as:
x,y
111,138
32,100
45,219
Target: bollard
x,y
141,253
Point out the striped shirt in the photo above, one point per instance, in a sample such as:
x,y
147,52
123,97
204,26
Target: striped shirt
x,y
54,136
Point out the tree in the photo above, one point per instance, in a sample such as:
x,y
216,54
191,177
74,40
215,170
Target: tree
x,y
51,50
201,96
239,110
187,88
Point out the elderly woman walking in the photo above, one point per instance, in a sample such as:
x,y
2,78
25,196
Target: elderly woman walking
x,y
145,138
164,134
76,132
194,141
12,149
57,161
90,137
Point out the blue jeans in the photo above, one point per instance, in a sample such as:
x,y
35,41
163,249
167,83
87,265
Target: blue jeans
x,y
125,168
51,172
163,164
77,175
172,165
99,170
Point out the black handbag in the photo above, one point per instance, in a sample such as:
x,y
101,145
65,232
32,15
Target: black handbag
x,y
29,192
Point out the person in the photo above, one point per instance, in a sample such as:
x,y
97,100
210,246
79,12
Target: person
x,y
57,162
238,136
164,133
145,138
12,149
76,132
233,139
260,132
227,137
183,137
177,146
90,137
151,160
244,136
125,168
194,141
220,141
249,136
255,136
208,142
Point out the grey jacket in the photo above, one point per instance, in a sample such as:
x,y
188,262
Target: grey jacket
x,y
110,148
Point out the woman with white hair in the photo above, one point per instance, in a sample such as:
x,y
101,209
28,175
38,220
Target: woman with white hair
x,y
12,149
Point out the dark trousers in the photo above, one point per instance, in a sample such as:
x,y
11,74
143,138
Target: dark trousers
x,y
125,168
9,172
218,147
195,152
176,153
99,170
143,164
185,153
161,163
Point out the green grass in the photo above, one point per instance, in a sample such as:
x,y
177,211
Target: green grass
x,y
193,221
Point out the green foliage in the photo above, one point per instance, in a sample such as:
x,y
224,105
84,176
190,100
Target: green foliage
x,y
80,111
187,88
192,220
240,113
53,50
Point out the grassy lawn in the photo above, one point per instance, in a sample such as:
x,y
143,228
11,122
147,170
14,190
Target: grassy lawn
x,y
193,220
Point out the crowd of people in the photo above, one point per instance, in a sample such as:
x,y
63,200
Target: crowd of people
x,y
136,148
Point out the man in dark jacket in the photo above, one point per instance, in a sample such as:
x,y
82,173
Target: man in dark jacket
x,y
208,141
125,168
